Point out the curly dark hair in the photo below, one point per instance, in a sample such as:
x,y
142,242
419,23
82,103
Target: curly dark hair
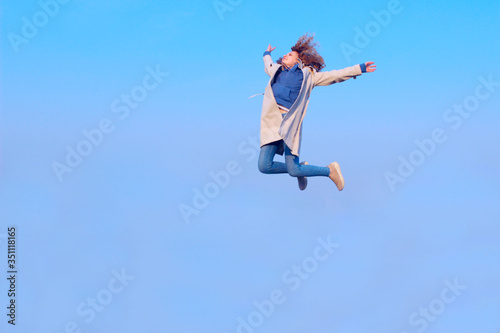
x,y
306,48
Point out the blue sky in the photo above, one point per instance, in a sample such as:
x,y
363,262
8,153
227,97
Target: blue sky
x,y
153,97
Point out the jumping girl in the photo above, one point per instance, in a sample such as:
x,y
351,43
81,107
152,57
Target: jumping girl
x,y
285,104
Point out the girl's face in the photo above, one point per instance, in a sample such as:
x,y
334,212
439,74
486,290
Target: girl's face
x,y
290,59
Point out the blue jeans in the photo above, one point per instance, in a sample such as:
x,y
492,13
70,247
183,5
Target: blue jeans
x,y
291,165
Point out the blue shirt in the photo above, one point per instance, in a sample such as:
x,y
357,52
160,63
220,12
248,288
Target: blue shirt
x,y
287,84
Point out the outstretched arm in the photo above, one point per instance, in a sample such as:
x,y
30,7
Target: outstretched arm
x,y
268,61
336,76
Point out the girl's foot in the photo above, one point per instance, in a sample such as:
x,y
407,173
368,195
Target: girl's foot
x,y
302,180
336,175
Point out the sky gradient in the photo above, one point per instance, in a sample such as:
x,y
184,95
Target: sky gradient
x,y
129,147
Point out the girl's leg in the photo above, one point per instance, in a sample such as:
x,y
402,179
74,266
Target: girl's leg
x,y
266,157
300,170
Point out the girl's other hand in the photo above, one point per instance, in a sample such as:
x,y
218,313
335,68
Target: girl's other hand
x,y
370,67
270,49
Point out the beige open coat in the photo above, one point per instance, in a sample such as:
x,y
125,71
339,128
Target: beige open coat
x,y
273,127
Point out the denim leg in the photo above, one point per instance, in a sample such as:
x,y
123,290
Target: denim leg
x,y
266,159
296,170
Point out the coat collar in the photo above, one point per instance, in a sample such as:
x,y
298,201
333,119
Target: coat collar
x,y
301,65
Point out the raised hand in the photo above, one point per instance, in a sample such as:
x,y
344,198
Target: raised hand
x,y
370,67
270,49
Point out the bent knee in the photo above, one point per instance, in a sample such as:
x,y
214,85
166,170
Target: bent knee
x,y
294,171
264,167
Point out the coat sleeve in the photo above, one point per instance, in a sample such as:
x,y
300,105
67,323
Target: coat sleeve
x,y
269,65
336,76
